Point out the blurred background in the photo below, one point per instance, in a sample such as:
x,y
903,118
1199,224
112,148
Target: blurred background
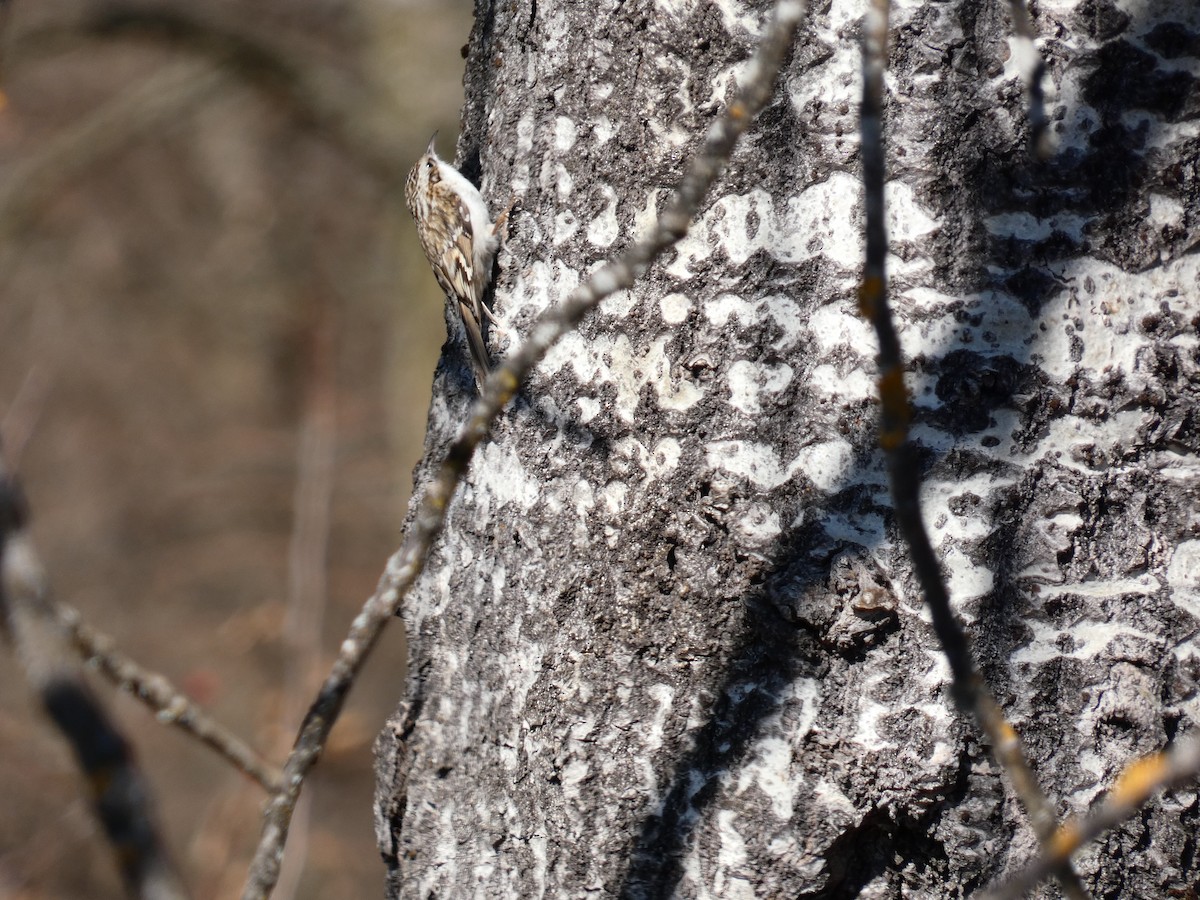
x,y
217,337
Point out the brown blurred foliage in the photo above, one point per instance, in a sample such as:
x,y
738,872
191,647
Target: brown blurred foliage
x,y
172,314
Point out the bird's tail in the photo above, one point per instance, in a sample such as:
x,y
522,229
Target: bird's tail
x,y
480,364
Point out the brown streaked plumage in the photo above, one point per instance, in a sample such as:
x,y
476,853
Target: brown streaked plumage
x,y
459,240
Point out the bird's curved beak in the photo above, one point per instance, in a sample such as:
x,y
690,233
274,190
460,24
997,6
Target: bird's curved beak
x,y
430,150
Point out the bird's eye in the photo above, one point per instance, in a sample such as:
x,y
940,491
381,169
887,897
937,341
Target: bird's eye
x,y
429,164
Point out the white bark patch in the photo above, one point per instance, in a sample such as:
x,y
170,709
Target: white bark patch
x,y
538,286
524,152
837,325
852,386
747,380
770,770
1082,640
1073,434
1023,58
1107,321
725,83
613,359
1100,588
1005,328
843,13
564,184
602,230
907,220
732,855
602,130
870,713
936,497
669,133
572,775
782,310
617,305
652,733
817,222
824,464
838,83
759,463
676,9
773,768
502,478
555,27
965,579
1183,578
831,799
564,134
674,308
584,499
440,571
1164,211
565,226
589,408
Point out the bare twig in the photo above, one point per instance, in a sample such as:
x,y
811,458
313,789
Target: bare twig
x,y
1033,70
407,563
120,795
1140,781
169,704
903,468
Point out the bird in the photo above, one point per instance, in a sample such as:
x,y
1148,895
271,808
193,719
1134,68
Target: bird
x,y
460,240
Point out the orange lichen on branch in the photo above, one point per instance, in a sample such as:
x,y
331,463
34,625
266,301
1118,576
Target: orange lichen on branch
x,y
897,412
870,295
1065,841
1140,779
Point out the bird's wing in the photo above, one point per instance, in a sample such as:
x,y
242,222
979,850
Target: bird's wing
x,y
447,240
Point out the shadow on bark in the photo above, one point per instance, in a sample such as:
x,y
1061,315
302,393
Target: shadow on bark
x,y
1094,193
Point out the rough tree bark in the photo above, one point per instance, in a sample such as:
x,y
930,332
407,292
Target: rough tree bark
x,y
670,643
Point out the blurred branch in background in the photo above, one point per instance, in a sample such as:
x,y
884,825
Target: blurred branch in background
x,y
121,796
336,100
308,549
193,462
168,703
39,179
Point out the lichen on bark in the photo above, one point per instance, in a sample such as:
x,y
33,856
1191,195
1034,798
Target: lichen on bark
x,y
670,642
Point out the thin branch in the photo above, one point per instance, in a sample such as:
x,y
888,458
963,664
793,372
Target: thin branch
x,y
1033,70
1140,781
903,466
168,703
121,796
408,562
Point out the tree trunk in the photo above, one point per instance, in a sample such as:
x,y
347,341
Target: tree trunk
x,y
670,643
